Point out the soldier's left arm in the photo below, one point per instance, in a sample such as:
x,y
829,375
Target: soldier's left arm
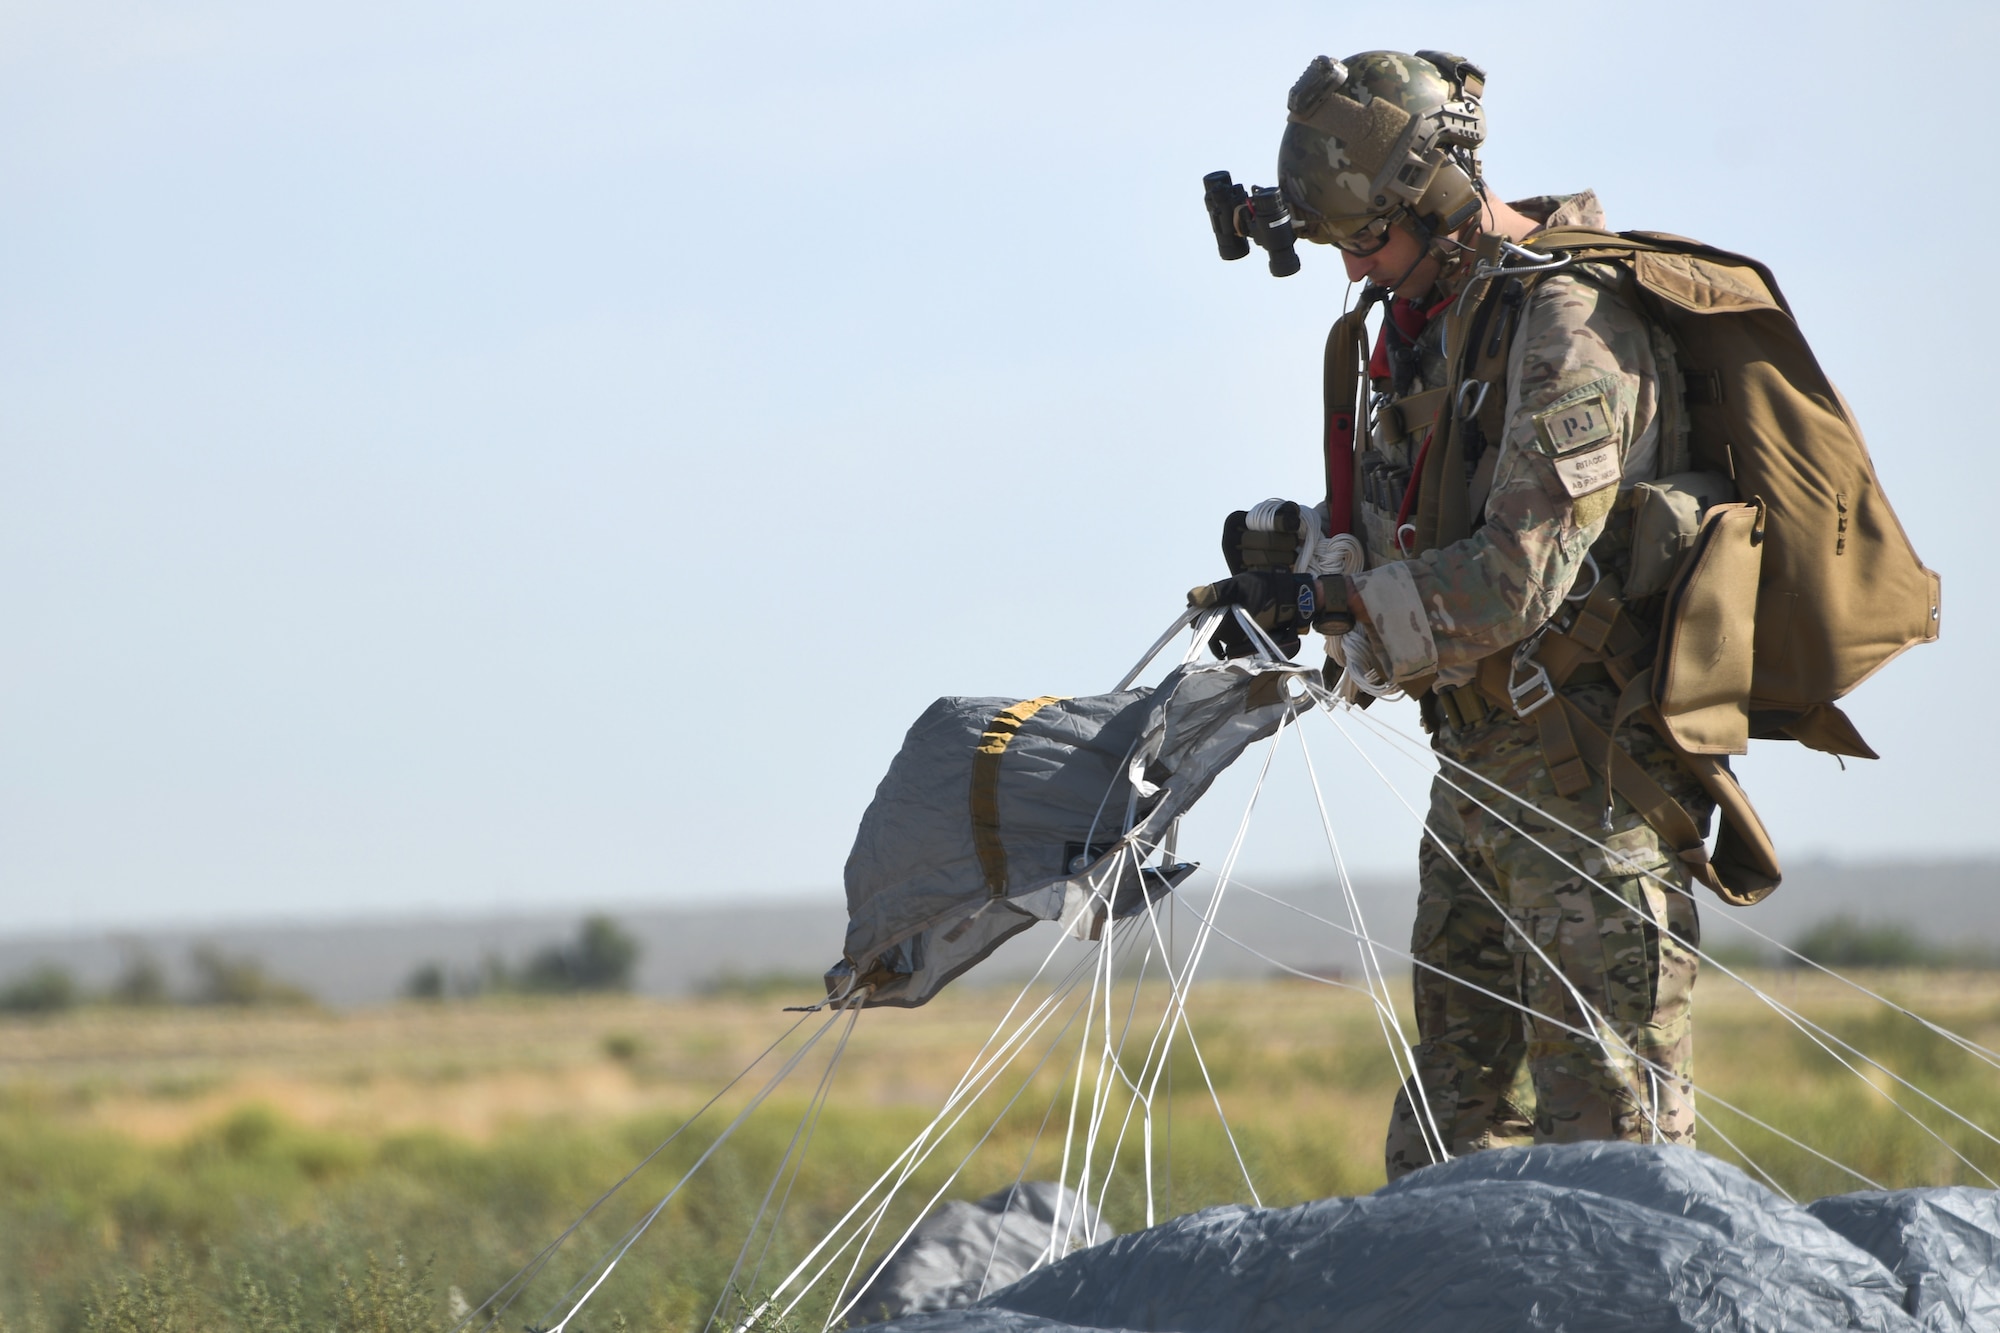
x,y
1581,406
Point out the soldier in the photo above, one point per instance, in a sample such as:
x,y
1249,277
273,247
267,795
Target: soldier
x,y
1571,415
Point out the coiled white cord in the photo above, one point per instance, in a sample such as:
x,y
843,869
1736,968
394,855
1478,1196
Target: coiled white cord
x,y
1263,516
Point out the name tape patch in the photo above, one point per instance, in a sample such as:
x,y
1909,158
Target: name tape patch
x,y
1576,425
1583,473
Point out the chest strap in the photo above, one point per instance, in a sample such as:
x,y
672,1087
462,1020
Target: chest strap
x,y
1416,412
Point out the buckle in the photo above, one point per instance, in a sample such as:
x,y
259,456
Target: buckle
x,y
1529,693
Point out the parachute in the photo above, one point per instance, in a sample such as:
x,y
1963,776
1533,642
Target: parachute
x,y
998,813
964,1250
1609,1237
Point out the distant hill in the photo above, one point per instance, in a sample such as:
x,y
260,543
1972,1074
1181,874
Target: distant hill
x,y
685,949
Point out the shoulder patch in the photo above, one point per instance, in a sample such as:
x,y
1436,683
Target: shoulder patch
x,y
1570,426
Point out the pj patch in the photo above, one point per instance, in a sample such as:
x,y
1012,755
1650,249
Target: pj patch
x,y
1568,427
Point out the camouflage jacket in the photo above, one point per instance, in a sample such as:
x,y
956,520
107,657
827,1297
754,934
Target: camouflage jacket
x,y
1582,425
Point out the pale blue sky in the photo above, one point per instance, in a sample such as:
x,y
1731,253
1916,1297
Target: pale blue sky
x,y
462,455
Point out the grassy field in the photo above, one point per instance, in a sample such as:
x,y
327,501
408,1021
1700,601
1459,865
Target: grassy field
x,y
382,1170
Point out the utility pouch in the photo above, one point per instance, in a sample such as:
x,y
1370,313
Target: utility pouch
x,y
1666,517
1702,676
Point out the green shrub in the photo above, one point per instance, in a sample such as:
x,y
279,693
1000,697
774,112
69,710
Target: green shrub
x,y
426,982
1842,941
46,989
142,981
222,979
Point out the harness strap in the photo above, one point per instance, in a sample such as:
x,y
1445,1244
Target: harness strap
x,y
1346,344
1744,867
1668,816
1414,412
1567,768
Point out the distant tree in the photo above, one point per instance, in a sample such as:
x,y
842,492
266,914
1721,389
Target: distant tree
x,y
1842,941
601,958
44,989
142,981
222,979
605,955
426,982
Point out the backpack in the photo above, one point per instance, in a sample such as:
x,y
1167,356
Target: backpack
x,y
1776,602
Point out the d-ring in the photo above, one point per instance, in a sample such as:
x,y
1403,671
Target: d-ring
x,y
1478,398
1596,577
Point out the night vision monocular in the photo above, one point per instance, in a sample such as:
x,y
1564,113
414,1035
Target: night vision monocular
x,y
1240,216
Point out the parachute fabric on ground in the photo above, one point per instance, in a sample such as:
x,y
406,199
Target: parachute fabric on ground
x,y
1618,1237
997,813
1942,1244
965,1248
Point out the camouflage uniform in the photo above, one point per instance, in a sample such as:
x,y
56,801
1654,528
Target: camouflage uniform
x,y
1491,1075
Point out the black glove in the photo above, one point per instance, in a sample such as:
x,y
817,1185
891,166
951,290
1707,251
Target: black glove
x,y
1272,597
1282,603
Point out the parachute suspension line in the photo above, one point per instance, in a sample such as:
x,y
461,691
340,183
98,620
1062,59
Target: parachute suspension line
x,y
795,1158
1139,1099
909,1159
1600,1025
1129,851
842,1304
1100,1090
984,1071
1034,1144
1173,911
1378,984
1710,1127
1107,1058
1181,622
1165,1069
772,1235
1966,1044
1141,1096
631,1237
975,1068
925,1144
1112,1063
532,1269
1527,1010
1076,1095
1813,1031
1176,1019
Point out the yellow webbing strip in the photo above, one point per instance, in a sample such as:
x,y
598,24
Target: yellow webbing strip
x,y
985,801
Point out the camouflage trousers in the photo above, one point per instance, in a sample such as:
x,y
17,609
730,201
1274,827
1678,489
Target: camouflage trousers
x,y
1505,923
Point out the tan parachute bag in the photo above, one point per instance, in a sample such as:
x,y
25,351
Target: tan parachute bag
x,y
1806,584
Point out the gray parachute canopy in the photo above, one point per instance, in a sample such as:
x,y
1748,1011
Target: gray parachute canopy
x,y
1604,1237
998,813
964,1250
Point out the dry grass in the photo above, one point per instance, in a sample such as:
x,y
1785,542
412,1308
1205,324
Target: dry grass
x,y
282,1147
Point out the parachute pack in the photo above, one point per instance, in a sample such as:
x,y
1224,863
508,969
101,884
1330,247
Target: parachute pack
x,y
1785,579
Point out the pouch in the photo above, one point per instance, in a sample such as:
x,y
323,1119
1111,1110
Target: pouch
x,y
1667,514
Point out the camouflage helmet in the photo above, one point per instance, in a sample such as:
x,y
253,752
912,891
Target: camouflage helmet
x,y
1381,138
